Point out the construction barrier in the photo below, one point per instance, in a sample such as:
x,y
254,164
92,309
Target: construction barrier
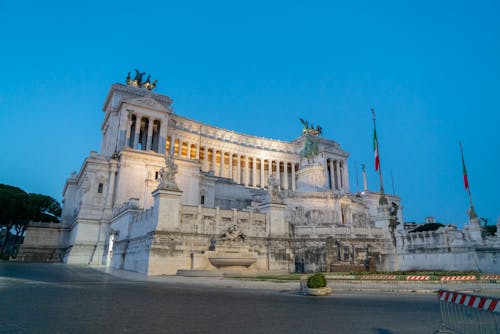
x,y
460,283
410,283
418,278
465,313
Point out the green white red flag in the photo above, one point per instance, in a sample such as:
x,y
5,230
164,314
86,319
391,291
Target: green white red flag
x,y
375,150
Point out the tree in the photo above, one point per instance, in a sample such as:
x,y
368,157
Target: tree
x,y
18,208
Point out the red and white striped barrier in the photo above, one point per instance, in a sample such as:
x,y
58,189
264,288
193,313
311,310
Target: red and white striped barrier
x,y
458,278
418,278
480,303
380,277
490,277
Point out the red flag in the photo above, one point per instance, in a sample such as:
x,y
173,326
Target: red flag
x,y
375,150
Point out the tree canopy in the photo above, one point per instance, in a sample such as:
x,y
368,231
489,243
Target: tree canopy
x,y
18,208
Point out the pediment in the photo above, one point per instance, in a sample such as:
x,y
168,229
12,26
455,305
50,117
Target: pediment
x,y
146,102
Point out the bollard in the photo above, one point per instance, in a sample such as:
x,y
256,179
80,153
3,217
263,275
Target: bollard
x,y
466,313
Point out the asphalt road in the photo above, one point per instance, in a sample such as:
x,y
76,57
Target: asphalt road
x,y
56,298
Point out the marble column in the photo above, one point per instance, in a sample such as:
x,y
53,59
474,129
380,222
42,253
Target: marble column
x,y
278,173
293,176
221,163
246,175
205,162
341,175
285,175
172,146
188,151
231,166
262,173
238,169
214,161
332,175
346,177
337,174
129,126
254,172
137,132
149,141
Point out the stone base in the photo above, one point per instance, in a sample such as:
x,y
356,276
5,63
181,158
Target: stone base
x,y
318,291
312,178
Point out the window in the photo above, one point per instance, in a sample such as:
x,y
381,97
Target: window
x,y
99,188
157,174
202,200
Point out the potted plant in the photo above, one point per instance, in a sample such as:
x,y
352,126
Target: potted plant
x,y
316,285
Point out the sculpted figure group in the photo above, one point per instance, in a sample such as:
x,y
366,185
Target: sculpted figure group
x,y
137,80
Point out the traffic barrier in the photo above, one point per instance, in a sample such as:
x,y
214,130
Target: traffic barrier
x,y
379,277
466,313
418,278
468,282
459,278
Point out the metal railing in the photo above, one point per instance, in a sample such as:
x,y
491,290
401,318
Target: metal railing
x,y
463,313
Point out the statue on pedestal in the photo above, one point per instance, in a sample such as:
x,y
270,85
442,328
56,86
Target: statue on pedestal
x,y
137,81
274,189
167,175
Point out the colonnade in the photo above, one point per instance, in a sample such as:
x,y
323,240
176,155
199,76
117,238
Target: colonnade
x,y
337,174
251,171
143,133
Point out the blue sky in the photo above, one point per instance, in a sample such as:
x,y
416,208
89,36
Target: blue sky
x,y
430,69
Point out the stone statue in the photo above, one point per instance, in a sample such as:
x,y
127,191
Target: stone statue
x,y
137,81
310,129
311,148
233,233
138,78
167,175
274,189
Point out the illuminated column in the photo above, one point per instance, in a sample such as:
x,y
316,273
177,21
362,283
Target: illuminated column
x,y
149,141
254,172
197,148
221,163
238,169
332,176
231,166
262,173
285,175
246,175
205,162
188,151
172,145
214,160
278,172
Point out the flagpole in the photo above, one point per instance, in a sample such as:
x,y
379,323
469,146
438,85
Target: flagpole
x,y
378,153
466,178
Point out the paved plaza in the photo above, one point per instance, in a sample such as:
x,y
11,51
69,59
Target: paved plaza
x,y
57,298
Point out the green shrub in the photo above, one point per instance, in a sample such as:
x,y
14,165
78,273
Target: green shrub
x,y
316,281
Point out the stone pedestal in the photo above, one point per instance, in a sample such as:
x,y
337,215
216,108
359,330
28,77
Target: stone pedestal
x,y
276,225
312,177
167,203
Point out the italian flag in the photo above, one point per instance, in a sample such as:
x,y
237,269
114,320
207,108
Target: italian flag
x,y
375,150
